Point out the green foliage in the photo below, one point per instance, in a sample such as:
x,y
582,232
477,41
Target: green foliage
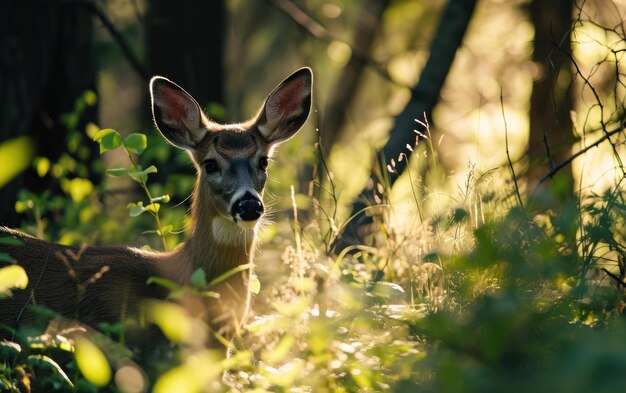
x,y
135,143
91,362
21,150
519,309
478,296
108,139
12,276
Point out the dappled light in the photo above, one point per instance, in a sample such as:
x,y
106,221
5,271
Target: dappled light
x,y
17,155
431,200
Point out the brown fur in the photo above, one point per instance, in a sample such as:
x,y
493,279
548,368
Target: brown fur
x,y
109,284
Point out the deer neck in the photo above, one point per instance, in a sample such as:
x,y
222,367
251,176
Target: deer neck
x,y
216,244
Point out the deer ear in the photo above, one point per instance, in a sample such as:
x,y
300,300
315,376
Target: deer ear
x,y
287,107
177,114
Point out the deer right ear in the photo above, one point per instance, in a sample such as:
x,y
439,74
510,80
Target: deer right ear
x,y
177,114
287,107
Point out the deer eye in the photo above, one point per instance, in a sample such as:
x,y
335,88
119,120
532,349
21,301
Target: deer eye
x,y
263,163
210,166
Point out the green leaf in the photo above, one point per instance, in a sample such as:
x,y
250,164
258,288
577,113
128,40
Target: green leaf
x,y
135,209
136,143
173,319
117,172
255,284
198,279
91,362
78,188
42,166
137,174
10,241
91,130
17,155
194,375
4,257
90,98
153,208
102,133
24,206
108,139
141,176
13,276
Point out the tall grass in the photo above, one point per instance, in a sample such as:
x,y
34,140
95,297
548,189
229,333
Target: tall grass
x,y
454,291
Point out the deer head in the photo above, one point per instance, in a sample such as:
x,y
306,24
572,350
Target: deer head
x,y
232,159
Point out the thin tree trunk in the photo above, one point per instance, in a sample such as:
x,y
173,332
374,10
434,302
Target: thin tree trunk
x,y
424,96
343,93
341,96
551,137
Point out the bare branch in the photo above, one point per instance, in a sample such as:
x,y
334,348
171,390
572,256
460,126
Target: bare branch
x,y
615,277
562,165
97,10
320,32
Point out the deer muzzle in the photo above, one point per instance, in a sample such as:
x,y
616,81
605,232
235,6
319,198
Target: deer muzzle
x,y
247,208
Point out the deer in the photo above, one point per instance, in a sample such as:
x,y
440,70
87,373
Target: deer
x,y
226,212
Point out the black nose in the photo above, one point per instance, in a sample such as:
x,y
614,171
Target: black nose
x,y
248,208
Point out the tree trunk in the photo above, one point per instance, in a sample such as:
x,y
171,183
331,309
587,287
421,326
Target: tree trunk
x,y
340,97
45,65
551,137
185,44
424,97
342,94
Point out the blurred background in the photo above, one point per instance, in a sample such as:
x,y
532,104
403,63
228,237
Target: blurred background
x,y
451,216
503,85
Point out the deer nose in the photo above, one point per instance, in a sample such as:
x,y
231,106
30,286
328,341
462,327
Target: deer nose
x,y
248,208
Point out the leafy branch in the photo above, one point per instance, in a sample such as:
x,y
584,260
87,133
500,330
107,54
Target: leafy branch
x,y
136,143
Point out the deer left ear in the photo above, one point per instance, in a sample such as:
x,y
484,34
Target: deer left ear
x,y
287,107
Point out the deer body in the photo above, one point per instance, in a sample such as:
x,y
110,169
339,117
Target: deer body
x,y
108,284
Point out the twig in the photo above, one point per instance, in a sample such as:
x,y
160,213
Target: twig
x,y
547,145
615,277
560,166
599,103
96,8
332,230
508,154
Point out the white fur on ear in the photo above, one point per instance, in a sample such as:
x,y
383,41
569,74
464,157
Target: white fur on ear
x,y
287,107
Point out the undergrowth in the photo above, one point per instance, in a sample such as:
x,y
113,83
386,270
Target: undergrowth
x,y
481,296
